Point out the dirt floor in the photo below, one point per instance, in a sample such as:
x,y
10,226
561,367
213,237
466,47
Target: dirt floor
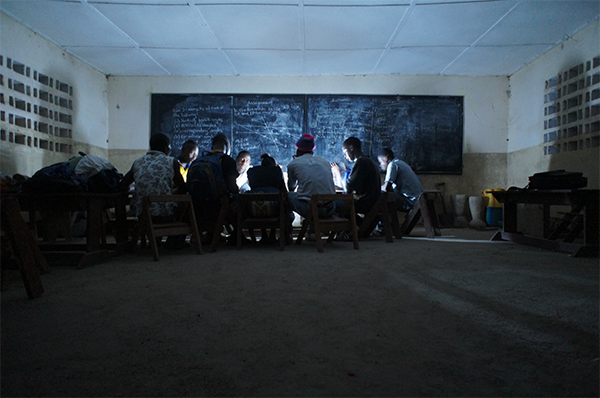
x,y
458,316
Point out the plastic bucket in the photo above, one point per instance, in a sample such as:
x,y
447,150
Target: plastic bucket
x,y
491,201
493,216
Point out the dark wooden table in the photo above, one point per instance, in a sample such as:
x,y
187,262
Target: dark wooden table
x,y
95,249
581,223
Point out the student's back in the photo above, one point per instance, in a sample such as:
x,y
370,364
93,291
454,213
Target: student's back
x,y
312,175
405,180
364,180
267,175
153,174
211,178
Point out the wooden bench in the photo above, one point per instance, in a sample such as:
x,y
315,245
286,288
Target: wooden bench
x,y
384,211
330,224
424,209
24,246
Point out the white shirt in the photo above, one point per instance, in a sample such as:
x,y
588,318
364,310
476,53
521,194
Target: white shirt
x,y
312,175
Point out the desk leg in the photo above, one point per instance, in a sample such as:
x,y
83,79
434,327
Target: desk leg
x,y
121,235
509,211
591,236
94,225
545,220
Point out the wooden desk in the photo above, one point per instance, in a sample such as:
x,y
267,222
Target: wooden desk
x,y
94,250
581,220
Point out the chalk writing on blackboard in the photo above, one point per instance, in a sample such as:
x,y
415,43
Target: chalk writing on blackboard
x,y
424,131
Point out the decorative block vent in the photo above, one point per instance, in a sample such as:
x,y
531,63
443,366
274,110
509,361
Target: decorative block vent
x,y
36,110
572,109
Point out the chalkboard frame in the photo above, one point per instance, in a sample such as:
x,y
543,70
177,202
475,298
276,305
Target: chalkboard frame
x,y
430,127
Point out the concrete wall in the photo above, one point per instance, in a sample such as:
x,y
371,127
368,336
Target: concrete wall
x,y
526,113
485,119
89,97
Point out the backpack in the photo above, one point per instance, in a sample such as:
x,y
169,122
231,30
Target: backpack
x,y
557,179
56,178
205,181
105,181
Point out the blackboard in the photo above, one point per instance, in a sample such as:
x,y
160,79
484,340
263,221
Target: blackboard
x,y
424,131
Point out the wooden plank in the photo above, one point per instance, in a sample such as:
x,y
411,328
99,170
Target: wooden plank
x,y
571,248
27,252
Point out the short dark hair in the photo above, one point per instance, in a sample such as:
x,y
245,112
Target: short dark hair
x,y
267,160
189,145
242,154
355,142
387,152
159,141
220,141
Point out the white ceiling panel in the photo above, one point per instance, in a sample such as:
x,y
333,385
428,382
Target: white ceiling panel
x,y
494,61
146,25
350,28
166,2
458,24
341,62
451,1
254,27
542,22
266,62
238,2
305,37
367,3
66,23
418,60
119,61
192,62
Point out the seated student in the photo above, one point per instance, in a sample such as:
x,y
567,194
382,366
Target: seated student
x,y
364,178
267,175
243,162
268,178
207,211
311,175
154,173
399,178
189,152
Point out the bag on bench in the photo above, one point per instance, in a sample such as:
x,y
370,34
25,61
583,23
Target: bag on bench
x,y
557,179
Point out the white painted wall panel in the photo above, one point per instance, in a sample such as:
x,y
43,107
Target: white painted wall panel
x,y
90,90
526,111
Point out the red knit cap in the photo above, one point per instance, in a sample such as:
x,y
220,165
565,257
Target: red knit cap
x,y
306,142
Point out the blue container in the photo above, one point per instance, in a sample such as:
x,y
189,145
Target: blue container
x,y
493,216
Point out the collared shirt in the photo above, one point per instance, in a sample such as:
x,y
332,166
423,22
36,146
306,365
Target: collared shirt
x,y
312,174
153,175
404,181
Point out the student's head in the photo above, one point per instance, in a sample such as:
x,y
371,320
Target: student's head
x,y
220,142
385,156
351,148
267,160
306,144
243,161
189,151
160,142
